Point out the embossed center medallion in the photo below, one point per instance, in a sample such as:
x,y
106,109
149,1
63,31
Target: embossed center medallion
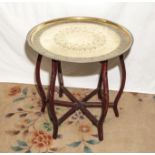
x,y
78,39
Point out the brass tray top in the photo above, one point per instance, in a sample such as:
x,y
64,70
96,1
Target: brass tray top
x,y
80,39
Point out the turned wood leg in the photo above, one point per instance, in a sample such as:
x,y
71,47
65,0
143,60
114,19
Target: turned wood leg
x,y
99,86
60,79
39,84
123,79
105,99
51,110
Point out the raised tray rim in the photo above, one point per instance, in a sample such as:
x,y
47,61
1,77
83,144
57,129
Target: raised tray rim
x,y
79,19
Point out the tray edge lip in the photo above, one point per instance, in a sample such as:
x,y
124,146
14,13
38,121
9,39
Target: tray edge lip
x,y
78,19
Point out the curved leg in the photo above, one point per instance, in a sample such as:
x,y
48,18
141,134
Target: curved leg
x,y
50,106
39,84
60,79
123,79
105,99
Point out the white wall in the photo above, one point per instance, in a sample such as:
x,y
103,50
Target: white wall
x,y
17,64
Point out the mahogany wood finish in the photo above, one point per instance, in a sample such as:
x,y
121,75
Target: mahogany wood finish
x,y
105,100
50,107
60,79
123,79
99,86
102,91
39,84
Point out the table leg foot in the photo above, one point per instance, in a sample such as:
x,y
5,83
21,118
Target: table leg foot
x,y
116,111
100,132
55,132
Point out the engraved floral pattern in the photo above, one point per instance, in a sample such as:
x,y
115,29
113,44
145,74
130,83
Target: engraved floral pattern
x,y
77,38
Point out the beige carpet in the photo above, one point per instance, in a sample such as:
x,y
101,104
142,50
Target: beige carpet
x,y
23,128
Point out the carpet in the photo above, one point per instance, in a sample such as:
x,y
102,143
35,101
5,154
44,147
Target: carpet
x,y
23,128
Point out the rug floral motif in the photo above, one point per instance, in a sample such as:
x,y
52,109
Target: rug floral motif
x,y
26,129
34,128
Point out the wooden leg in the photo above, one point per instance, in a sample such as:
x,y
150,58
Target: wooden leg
x,y
39,84
60,79
99,86
123,79
105,99
50,107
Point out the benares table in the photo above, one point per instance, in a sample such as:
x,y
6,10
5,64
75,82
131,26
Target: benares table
x,y
79,40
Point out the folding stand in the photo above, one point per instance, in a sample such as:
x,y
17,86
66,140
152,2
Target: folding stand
x,y
102,91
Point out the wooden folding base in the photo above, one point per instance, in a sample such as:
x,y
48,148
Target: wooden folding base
x,y
102,91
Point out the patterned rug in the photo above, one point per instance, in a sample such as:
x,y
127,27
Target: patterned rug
x,y
23,128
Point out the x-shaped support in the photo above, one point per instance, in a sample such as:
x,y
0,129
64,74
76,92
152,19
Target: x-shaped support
x,y
102,91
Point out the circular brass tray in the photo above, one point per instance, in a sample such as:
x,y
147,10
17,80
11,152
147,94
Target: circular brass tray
x,y
80,39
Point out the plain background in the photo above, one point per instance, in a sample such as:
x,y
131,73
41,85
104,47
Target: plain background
x,y
17,60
